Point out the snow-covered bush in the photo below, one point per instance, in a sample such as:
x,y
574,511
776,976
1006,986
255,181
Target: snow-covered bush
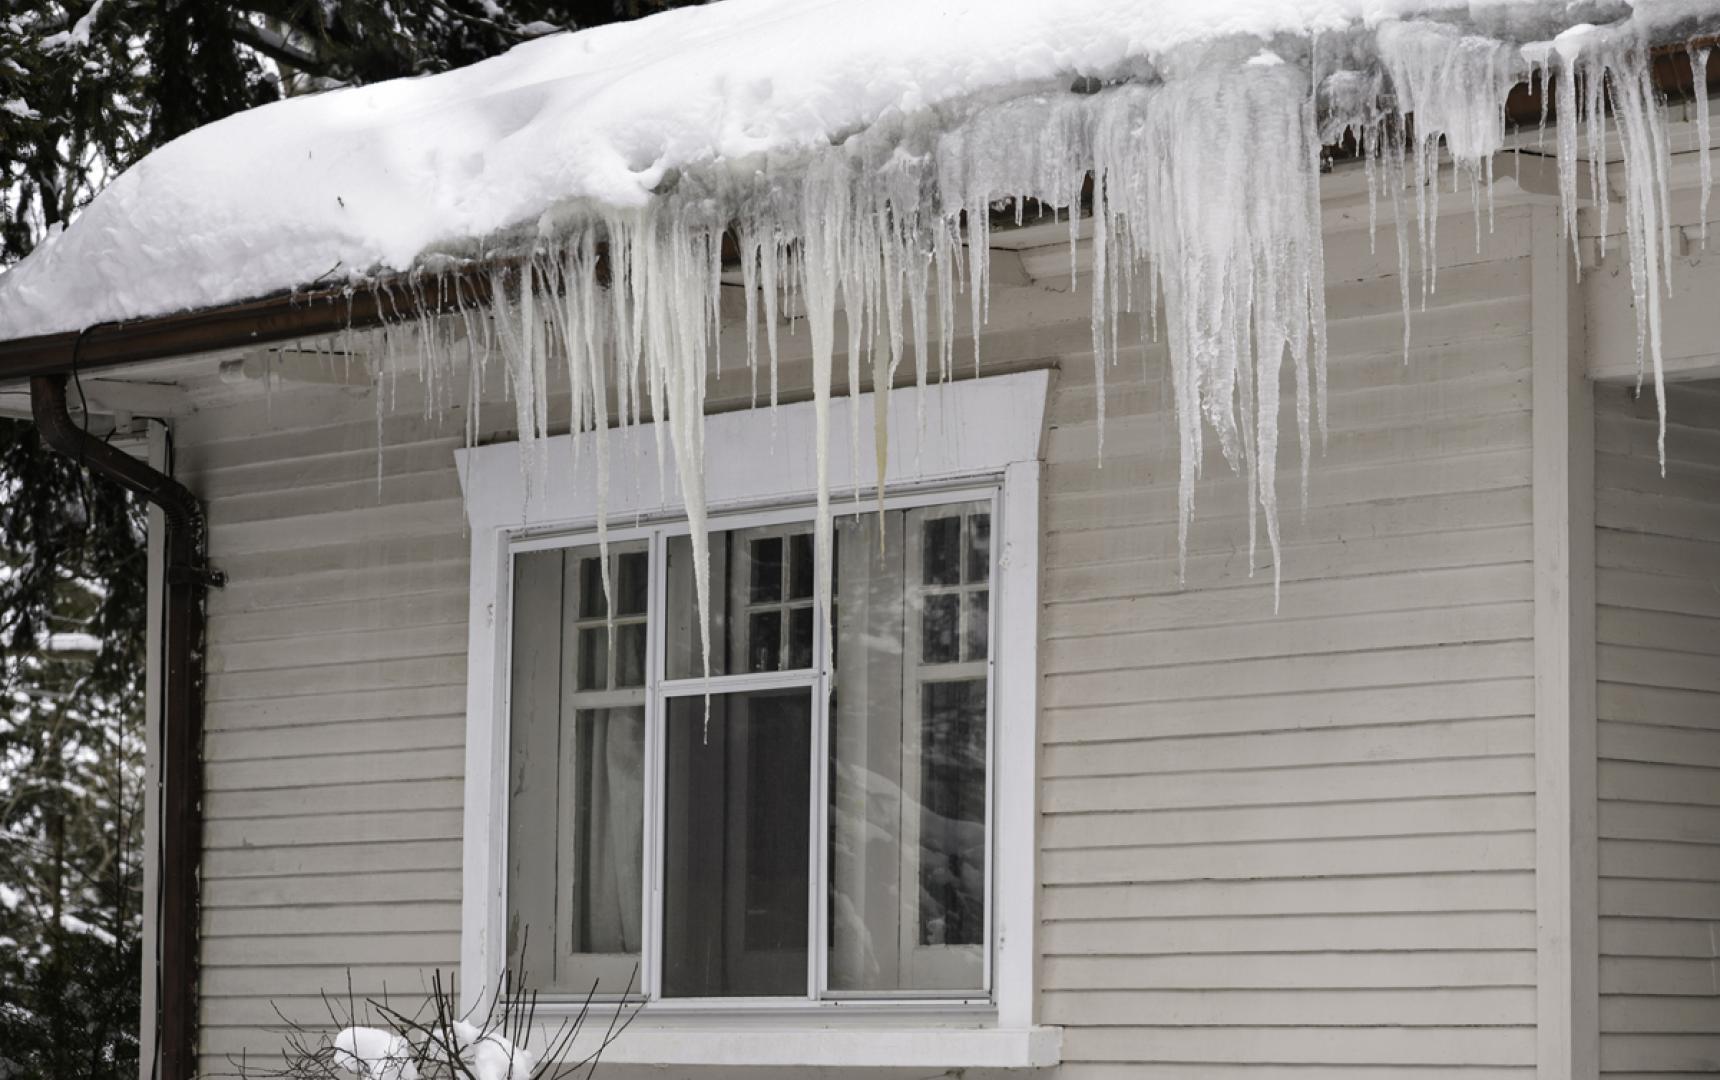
x,y
378,1040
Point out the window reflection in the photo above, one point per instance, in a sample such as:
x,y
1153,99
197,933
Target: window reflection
x,y
908,751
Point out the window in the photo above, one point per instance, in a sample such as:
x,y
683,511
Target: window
x,y
843,851
776,831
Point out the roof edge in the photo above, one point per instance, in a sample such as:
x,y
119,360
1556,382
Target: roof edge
x,y
301,313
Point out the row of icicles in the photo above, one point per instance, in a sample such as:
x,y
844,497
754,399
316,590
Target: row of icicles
x,y
1204,193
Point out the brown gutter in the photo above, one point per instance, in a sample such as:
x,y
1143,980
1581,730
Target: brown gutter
x,y
283,317
180,776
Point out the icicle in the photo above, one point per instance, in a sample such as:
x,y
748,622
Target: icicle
x,y
748,244
1566,120
1699,84
821,255
769,261
1643,139
1455,84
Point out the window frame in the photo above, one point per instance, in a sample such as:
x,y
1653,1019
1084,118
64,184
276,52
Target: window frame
x,y
660,688
946,441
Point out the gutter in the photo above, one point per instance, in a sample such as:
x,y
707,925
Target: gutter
x,y
283,317
181,773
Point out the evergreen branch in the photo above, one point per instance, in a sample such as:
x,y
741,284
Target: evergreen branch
x,y
276,47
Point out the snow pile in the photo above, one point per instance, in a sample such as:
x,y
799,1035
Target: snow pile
x,y
488,1056
375,1054
856,154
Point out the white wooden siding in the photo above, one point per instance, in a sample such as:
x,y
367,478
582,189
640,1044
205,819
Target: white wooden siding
x,y
1301,844
1657,554
335,710
1273,845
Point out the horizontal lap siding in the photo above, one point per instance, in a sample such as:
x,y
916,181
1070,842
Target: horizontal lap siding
x,y
1272,845
336,701
1300,844
1658,629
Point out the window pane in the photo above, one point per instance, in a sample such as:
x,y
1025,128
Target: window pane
x,y
800,637
590,587
629,655
632,582
593,663
764,640
978,548
754,598
941,621
802,564
575,786
907,855
943,551
767,569
602,809
952,831
736,838
978,624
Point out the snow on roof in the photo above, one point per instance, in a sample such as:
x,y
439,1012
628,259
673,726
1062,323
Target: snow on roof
x,y
351,183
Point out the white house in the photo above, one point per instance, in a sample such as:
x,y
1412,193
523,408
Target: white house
x,y
1002,757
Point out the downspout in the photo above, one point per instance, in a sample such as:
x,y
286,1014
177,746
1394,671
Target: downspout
x,y
181,774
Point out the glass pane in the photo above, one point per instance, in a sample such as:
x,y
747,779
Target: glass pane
x,y
632,582
747,589
575,790
802,566
767,570
978,636
943,551
941,622
602,809
764,640
906,849
590,587
736,838
685,638
952,830
629,655
800,637
979,548
593,665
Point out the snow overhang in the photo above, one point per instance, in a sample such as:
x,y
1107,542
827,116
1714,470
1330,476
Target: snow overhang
x,y
351,186
301,310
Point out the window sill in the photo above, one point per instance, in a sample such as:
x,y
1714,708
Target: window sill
x,y
772,1043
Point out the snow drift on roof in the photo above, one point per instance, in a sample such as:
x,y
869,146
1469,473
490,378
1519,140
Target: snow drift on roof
x,y
351,183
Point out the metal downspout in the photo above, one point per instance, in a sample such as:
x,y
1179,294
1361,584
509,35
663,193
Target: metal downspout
x,y
181,774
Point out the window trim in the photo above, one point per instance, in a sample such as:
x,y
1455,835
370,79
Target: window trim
x,y
986,430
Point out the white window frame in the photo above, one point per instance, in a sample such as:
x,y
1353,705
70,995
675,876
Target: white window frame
x,y
978,431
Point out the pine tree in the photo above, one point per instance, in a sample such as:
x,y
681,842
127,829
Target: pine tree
x,y
71,754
